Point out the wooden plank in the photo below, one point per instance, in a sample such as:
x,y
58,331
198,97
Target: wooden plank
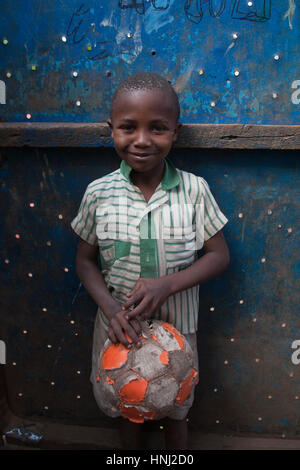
x,y
215,136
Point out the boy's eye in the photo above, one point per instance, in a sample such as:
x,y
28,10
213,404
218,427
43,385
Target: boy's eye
x,y
126,127
155,128
159,128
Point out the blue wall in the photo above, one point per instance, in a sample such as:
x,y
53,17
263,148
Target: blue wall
x,y
106,41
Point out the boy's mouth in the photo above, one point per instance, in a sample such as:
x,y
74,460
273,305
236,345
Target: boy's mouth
x,y
140,155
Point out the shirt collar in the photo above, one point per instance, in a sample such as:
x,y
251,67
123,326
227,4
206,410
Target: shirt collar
x,y
170,178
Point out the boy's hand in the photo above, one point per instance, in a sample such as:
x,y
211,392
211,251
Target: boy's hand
x,y
148,295
124,331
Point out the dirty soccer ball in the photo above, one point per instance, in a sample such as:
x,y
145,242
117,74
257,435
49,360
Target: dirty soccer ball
x,y
149,382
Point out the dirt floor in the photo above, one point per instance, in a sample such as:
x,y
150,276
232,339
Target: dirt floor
x,y
57,436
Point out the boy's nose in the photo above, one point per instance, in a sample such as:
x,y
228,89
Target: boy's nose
x,y
142,139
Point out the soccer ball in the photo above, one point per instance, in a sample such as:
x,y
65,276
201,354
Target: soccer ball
x,y
149,382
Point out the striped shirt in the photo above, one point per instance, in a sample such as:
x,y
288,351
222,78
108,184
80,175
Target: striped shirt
x,y
149,239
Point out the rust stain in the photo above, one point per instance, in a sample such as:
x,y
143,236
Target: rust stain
x,y
134,391
175,333
115,356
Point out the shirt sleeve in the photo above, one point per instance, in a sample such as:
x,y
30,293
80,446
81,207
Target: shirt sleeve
x,y
84,223
213,217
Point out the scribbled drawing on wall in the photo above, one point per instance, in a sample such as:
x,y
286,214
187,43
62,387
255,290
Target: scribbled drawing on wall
x,y
2,92
125,44
193,9
213,50
260,12
290,13
128,44
138,6
75,24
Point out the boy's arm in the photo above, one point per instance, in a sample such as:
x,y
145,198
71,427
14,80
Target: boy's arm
x,y
150,293
212,263
91,277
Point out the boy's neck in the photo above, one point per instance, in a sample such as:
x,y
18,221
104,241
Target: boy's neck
x,y
149,180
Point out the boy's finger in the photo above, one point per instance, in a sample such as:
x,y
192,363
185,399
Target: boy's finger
x,y
136,325
128,332
140,309
112,336
133,291
131,335
128,303
132,301
147,315
122,339
118,332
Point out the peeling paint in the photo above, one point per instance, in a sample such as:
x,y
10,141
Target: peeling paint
x,y
290,13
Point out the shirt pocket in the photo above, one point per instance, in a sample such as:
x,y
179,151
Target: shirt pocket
x,y
179,245
111,247
112,250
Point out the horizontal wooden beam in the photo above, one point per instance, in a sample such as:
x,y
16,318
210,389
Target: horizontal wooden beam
x,y
215,136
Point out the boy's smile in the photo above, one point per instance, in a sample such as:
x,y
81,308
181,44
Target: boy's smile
x,y
144,127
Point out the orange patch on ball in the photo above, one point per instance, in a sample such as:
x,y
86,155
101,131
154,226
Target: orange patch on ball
x,y
149,414
135,415
164,357
186,387
134,391
128,338
175,333
131,413
115,356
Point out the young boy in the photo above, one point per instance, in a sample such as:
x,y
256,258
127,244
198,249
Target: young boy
x,y
147,220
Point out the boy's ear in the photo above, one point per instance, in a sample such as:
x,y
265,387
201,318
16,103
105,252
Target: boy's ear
x,y
176,131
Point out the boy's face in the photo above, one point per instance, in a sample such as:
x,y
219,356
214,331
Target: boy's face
x,y
144,127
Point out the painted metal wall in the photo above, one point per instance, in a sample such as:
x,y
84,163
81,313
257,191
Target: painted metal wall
x,y
248,316
230,60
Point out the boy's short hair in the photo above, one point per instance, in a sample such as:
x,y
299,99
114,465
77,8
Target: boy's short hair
x,y
147,81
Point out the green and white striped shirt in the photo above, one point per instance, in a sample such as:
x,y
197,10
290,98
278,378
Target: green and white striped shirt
x,y
149,239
